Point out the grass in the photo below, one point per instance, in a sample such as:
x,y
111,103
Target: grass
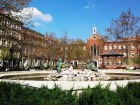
x,y
129,70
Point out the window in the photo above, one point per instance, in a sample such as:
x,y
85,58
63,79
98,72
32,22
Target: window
x,y
4,42
10,43
0,42
11,33
132,45
105,62
120,62
7,23
124,46
132,54
115,62
115,46
100,61
91,50
84,48
120,46
110,47
11,25
19,27
95,49
105,47
85,62
15,26
124,54
110,62
138,46
19,37
0,32
18,55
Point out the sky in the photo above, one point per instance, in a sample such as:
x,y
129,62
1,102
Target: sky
x,y
78,16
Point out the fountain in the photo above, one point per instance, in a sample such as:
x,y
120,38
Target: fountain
x,y
68,74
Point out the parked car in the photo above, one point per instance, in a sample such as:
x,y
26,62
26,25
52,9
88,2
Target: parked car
x,y
136,68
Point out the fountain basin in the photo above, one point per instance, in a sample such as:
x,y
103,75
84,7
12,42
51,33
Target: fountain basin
x,y
66,85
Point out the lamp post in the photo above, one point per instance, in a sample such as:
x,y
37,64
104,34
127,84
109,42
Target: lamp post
x,y
11,53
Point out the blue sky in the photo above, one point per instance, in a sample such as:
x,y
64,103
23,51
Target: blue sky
x,y
78,16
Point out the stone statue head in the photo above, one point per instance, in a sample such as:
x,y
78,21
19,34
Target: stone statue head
x,y
88,61
93,60
60,60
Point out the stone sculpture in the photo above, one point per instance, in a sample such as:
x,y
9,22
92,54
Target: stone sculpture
x,y
88,66
93,66
68,74
59,65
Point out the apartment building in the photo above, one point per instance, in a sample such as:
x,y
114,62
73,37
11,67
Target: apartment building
x,y
28,45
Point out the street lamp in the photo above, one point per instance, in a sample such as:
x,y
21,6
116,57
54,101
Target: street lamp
x,y
11,53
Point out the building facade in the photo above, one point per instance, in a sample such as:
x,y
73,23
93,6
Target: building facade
x,y
29,46
33,48
129,48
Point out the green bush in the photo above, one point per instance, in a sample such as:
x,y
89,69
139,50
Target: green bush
x,y
16,94
97,96
30,67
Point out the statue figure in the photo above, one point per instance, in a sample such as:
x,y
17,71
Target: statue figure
x,y
93,66
88,66
59,65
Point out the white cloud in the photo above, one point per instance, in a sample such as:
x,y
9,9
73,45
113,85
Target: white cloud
x,y
37,24
39,15
93,5
86,6
36,14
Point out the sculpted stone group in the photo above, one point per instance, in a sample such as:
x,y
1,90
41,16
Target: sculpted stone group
x,y
91,66
59,65
88,65
69,74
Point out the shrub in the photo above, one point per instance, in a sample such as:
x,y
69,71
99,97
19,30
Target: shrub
x,y
123,67
97,96
16,94
100,67
31,67
42,67
2,69
118,67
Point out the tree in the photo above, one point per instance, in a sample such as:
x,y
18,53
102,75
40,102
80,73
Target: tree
x,y
64,41
53,47
134,60
75,50
14,14
123,29
17,9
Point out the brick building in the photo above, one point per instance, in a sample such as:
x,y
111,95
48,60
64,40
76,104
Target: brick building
x,y
100,47
27,43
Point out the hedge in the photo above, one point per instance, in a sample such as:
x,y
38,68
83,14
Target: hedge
x,y
16,94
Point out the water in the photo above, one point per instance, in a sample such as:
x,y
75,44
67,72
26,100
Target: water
x,y
40,77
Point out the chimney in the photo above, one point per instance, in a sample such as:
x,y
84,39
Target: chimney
x,y
0,10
